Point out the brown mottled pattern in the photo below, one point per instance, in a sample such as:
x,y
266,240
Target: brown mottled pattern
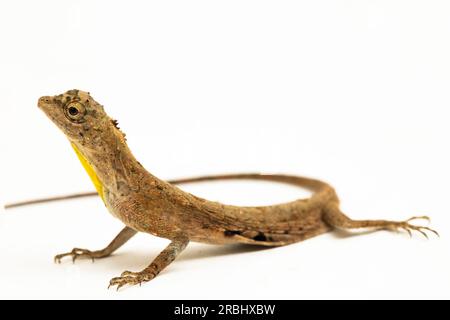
x,y
147,204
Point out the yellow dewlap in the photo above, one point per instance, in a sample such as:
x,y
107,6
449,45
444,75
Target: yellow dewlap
x,y
90,171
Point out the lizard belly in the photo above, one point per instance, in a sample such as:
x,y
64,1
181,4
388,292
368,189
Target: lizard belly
x,y
143,215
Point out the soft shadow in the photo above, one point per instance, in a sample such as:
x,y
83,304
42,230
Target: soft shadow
x,y
136,260
128,260
208,251
343,234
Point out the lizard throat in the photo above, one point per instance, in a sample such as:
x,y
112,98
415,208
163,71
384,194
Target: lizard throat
x,y
90,171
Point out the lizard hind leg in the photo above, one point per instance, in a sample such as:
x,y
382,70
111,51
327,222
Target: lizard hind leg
x,y
334,217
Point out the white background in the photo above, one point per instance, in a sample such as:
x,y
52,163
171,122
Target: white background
x,y
352,92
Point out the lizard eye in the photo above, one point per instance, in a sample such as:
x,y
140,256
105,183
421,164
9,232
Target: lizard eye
x,y
75,111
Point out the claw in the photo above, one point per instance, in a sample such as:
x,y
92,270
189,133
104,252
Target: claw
x,y
409,231
419,218
424,234
431,230
405,225
130,278
75,254
436,233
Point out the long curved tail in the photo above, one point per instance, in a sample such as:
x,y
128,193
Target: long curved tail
x,y
312,184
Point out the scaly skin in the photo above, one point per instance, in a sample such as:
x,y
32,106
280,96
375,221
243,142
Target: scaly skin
x,y
145,203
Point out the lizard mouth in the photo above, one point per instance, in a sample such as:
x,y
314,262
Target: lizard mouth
x,y
47,105
44,102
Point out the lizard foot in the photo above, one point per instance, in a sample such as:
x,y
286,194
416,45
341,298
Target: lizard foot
x,y
131,278
76,253
408,227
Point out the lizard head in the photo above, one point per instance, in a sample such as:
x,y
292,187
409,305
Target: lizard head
x,y
81,118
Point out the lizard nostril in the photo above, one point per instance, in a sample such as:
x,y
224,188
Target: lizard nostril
x,y
44,100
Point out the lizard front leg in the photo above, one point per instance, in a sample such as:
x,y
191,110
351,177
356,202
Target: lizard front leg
x,y
126,234
161,261
334,217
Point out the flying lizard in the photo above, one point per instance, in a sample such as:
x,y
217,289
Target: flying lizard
x,y
145,203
